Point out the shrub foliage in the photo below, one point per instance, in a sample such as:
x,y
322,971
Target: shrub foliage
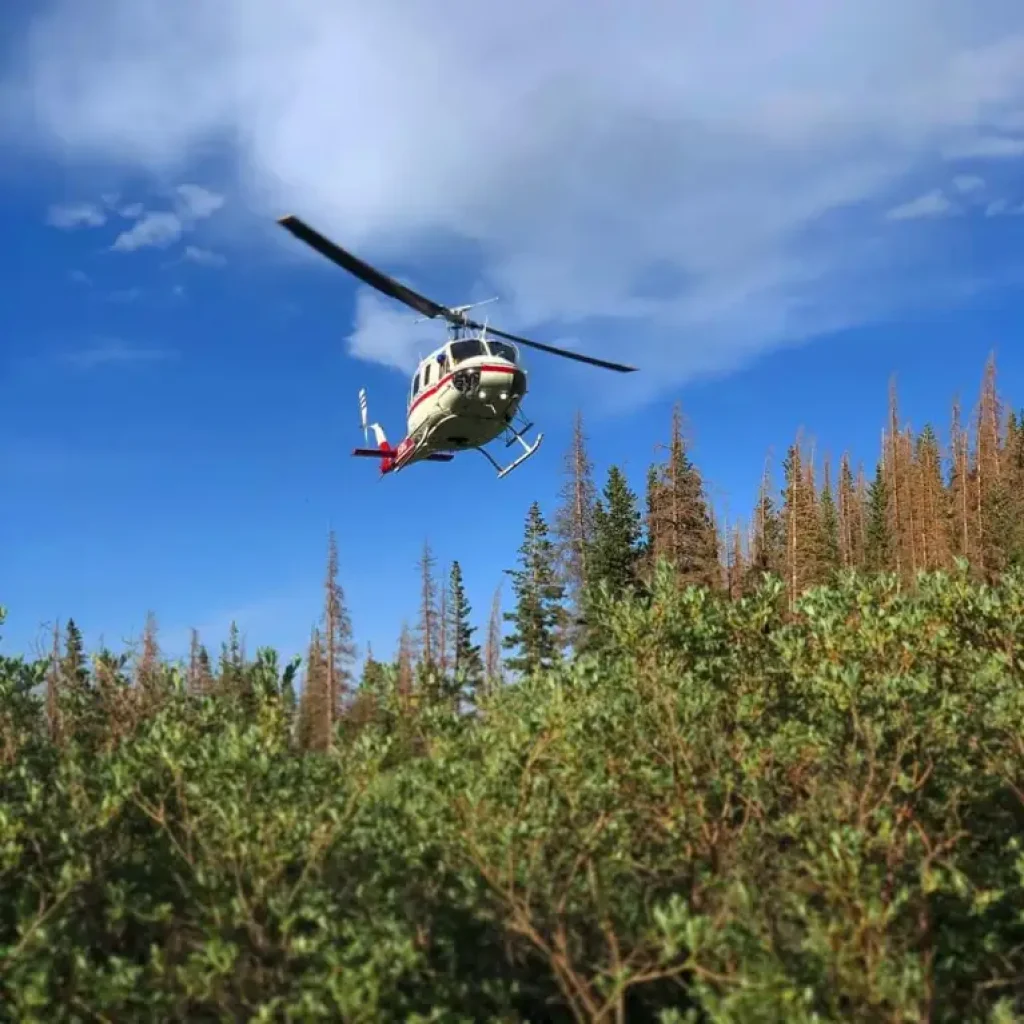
x,y
723,811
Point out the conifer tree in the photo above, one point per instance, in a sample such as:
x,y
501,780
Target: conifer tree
x,y
573,525
960,518
427,627
316,719
829,516
54,681
406,668
878,547
930,501
537,613
851,517
615,547
466,663
492,652
682,530
339,646
74,667
768,536
993,507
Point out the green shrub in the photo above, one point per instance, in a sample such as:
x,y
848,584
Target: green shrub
x,y
716,815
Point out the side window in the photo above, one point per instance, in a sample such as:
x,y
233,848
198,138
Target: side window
x,y
415,384
426,374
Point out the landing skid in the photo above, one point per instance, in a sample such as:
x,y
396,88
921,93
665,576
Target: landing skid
x,y
513,436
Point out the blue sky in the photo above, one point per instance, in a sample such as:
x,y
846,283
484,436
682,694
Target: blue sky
x,y
770,216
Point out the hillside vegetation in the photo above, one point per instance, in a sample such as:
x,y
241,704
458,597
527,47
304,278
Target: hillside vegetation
x,y
773,775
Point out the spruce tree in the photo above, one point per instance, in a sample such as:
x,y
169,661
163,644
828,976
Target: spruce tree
x,y
339,646
466,663
538,595
878,546
829,523
615,550
74,667
573,527
682,529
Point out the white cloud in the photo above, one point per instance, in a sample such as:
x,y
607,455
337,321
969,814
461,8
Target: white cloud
x,y
75,215
115,352
570,147
931,204
968,183
132,211
204,257
161,228
156,228
1003,208
80,277
196,202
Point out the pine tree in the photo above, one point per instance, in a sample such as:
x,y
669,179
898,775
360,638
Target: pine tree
x,y
339,646
682,530
851,517
466,663
444,637
993,503
232,662
54,687
768,536
829,516
406,668
615,547
573,526
878,548
492,652
74,667
930,501
537,612
315,722
427,627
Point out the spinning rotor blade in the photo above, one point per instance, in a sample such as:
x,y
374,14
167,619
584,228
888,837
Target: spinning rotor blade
x,y
301,230
427,307
565,353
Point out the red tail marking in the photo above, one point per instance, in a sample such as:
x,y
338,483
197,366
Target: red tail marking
x,y
388,462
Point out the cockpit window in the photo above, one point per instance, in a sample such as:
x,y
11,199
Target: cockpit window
x,y
466,348
415,383
501,350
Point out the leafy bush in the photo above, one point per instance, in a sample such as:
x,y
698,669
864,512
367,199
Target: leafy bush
x,y
719,814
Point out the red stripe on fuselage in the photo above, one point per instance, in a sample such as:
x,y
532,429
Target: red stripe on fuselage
x,y
483,368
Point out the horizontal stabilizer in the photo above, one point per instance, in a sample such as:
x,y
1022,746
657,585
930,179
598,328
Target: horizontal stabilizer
x,y
373,453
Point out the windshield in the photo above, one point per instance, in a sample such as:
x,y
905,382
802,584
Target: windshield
x,y
466,349
501,350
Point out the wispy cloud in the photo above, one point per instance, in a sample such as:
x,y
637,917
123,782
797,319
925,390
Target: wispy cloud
x,y
162,228
931,204
75,215
204,257
1004,208
750,156
80,277
113,352
157,229
968,183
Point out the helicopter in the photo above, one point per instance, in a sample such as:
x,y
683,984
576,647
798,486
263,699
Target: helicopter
x,y
465,394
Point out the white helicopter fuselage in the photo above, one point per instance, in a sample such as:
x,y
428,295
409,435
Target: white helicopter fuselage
x,y
464,395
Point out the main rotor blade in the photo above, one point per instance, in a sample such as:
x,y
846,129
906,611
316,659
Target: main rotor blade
x,y
301,230
565,353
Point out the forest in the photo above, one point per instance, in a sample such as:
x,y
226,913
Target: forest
x,y
695,771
